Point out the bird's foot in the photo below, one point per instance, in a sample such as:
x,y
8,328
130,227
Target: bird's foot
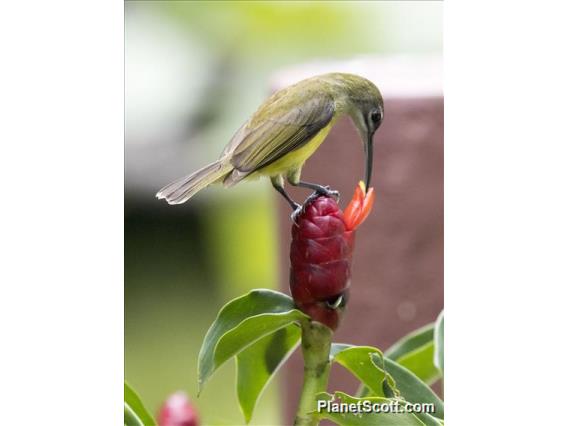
x,y
325,190
298,209
312,197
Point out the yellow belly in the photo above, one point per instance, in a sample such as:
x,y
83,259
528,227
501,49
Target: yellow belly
x,y
296,158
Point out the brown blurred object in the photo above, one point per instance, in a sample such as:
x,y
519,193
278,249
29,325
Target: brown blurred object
x,y
397,277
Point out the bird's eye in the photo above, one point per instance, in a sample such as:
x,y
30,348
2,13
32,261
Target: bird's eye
x,y
375,116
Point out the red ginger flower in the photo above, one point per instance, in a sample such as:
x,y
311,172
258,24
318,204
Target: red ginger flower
x,y
323,238
177,410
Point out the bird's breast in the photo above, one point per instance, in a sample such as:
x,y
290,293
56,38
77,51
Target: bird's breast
x,y
297,157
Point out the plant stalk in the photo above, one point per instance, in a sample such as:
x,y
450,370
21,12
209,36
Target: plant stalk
x,y
316,343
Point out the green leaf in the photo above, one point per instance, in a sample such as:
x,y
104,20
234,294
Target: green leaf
x,y
370,367
135,414
439,343
412,341
257,364
415,351
429,420
240,324
420,362
357,360
411,388
351,418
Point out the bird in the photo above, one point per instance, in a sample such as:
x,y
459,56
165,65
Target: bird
x,y
285,131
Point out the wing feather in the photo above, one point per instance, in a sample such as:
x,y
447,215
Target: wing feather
x,y
265,140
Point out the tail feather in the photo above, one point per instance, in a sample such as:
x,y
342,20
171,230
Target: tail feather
x,y
183,189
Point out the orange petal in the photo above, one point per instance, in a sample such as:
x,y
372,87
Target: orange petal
x,y
359,208
367,207
353,209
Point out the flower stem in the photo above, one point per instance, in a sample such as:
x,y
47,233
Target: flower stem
x,y
316,343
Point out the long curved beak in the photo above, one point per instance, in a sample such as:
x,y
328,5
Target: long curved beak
x,y
369,161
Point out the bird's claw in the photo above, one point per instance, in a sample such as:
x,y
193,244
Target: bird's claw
x,y
329,192
299,208
312,197
297,212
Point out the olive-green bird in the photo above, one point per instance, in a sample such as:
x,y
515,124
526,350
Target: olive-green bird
x,y
285,131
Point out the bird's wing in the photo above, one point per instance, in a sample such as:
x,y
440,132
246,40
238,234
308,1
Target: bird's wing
x,y
280,126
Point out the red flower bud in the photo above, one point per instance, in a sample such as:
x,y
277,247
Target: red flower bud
x,y
177,411
323,238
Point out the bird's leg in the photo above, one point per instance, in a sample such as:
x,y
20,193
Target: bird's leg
x,y
294,179
320,189
278,184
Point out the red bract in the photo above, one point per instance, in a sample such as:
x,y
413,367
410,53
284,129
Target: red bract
x,y
177,411
323,238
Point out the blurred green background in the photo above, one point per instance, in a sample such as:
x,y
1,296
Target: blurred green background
x,y
194,72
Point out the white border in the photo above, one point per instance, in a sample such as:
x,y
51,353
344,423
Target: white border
x,y
506,212
61,303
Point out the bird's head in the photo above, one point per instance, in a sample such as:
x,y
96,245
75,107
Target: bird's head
x,y
367,112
